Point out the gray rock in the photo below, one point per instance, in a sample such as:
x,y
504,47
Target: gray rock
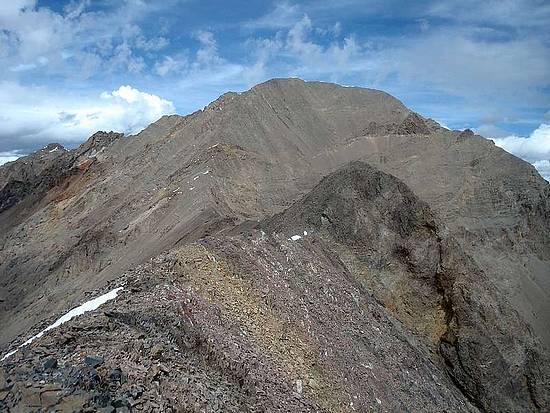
x,y
93,361
115,375
50,363
120,402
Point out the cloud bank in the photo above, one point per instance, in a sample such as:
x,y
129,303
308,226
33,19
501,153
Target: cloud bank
x,y
535,148
34,116
9,156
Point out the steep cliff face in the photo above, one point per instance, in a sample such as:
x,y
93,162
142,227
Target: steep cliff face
x,y
456,252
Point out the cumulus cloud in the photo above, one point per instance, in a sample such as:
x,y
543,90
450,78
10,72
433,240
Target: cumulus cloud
x,y
283,15
207,54
490,130
303,50
10,9
544,168
33,117
207,74
9,156
132,109
535,148
170,65
33,37
297,50
460,61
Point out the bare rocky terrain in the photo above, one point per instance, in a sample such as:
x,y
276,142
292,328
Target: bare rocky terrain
x,y
301,246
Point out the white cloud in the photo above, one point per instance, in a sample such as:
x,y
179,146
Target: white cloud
x,y
456,62
153,44
33,37
490,130
170,65
208,73
304,56
207,54
35,116
535,148
293,52
137,109
502,12
23,67
282,16
9,156
436,62
9,9
544,168
423,24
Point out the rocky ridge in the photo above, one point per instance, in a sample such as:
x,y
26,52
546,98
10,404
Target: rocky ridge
x,y
440,255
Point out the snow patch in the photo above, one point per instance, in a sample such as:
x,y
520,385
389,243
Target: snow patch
x,y
11,353
199,175
297,237
75,312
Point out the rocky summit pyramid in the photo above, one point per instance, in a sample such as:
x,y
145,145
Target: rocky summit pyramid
x,y
299,247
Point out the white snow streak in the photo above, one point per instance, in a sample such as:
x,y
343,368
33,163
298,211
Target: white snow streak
x,y
199,175
75,312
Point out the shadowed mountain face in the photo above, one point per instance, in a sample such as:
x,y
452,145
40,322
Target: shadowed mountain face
x,y
442,244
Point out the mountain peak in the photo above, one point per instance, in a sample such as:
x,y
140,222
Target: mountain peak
x,y
319,236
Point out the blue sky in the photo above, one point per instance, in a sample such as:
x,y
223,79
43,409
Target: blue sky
x,y
72,67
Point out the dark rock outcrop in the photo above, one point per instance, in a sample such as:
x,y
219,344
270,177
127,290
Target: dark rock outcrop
x,y
33,175
394,244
